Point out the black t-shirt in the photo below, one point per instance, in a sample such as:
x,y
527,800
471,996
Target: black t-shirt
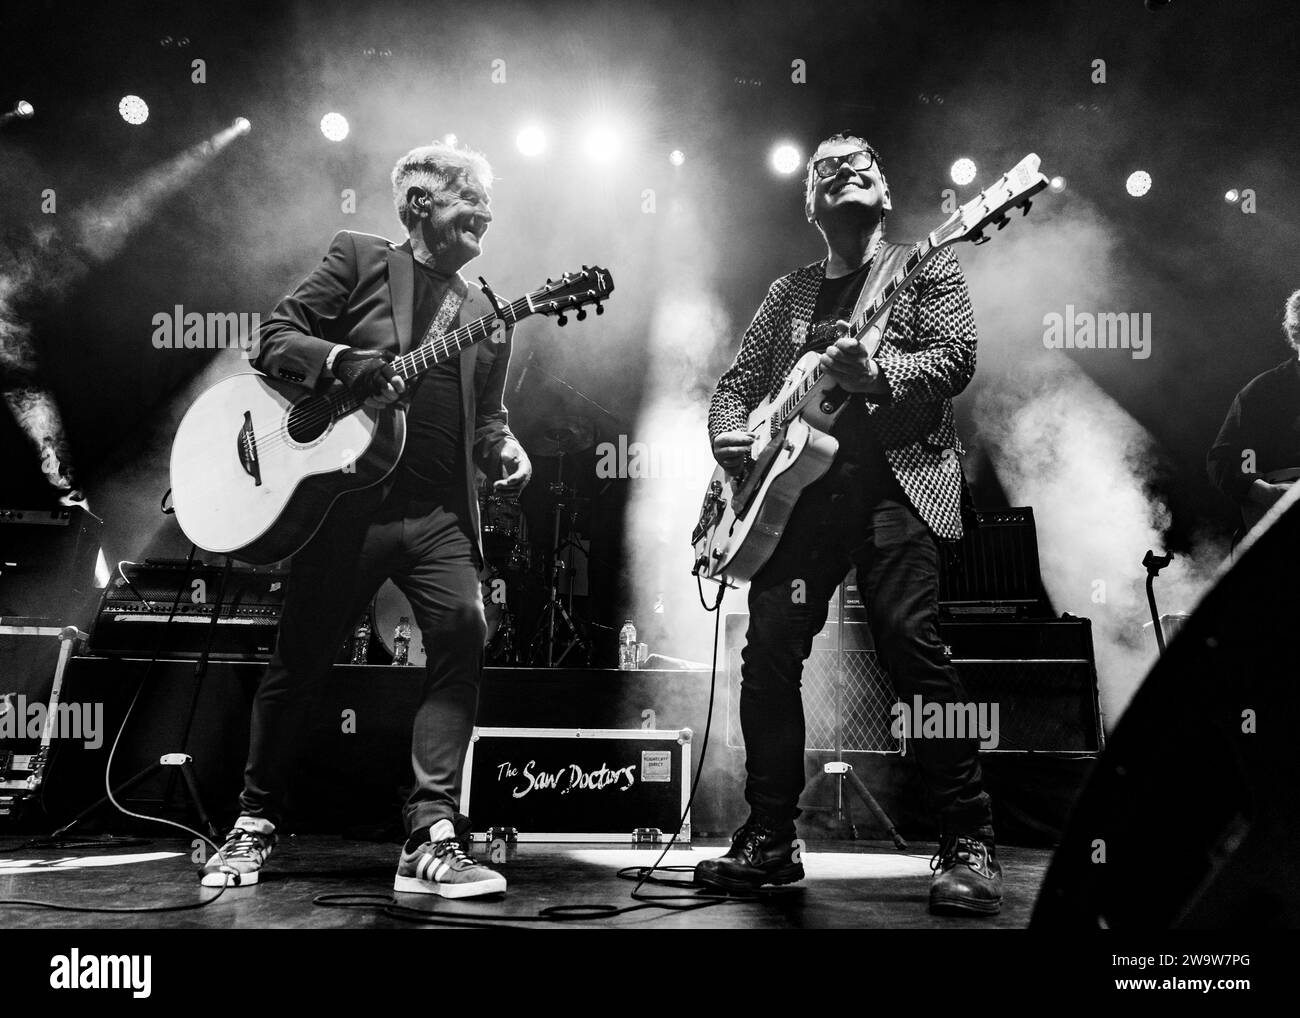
x,y
1265,419
433,463
836,299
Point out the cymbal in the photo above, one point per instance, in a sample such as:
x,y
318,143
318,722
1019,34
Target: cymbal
x,y
562,436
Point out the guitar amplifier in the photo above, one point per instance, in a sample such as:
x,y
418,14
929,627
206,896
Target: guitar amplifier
x,y
136,618
47,565
992,572
1040,673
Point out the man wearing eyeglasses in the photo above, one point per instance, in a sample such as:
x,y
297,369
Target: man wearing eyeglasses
x,y
892,493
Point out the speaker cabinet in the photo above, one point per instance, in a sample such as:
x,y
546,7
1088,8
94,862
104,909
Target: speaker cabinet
x,y
1040,675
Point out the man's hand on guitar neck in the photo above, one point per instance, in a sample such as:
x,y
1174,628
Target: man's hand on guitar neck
x,y
369,375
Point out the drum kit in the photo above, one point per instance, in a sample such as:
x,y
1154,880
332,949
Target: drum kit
x,y
513,565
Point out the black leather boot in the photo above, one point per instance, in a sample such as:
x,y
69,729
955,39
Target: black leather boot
x,y
761,853
967,879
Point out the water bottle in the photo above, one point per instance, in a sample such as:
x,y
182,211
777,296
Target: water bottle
x,y
627,647
361,641
402,641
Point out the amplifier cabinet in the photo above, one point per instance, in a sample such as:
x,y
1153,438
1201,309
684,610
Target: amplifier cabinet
x,y
1040,675
136,617
576,784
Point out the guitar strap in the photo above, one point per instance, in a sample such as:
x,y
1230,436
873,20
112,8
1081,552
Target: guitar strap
x,y
442,319
447,311
889,259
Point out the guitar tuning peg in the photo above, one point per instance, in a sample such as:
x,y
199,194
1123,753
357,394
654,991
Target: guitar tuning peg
x,y
600,310
549,281
1002,221
1024,209
582,314
562,319
980,239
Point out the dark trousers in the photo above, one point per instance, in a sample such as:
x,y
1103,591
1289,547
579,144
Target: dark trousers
x,y
427,551
856,514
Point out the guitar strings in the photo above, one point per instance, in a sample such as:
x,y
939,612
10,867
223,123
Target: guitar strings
x,y
317,411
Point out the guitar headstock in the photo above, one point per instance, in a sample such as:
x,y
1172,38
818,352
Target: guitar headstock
x,y
1011,190
573,290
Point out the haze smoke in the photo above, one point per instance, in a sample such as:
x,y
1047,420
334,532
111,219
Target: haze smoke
x,y
1059,443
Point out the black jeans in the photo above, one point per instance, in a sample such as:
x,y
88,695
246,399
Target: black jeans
x,y
427,551
856,514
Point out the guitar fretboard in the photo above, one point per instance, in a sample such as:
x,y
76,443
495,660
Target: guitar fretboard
x,y
414,363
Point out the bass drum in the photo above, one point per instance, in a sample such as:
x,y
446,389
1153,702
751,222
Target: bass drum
x,y
390,605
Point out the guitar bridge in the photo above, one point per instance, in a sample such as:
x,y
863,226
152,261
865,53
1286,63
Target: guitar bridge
x,y
246,443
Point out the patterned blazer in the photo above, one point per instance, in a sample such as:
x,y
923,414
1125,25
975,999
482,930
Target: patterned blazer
x,y
927,357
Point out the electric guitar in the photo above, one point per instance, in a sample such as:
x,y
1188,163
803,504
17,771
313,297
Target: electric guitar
x,y
257,463
745,513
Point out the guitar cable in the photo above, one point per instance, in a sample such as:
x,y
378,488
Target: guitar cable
x,y
575,913
54,841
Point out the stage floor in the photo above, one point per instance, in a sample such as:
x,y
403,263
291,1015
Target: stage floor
x,y
849,885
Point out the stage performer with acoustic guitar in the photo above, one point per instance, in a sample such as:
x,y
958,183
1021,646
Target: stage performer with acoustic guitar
x,y
891,494
367,301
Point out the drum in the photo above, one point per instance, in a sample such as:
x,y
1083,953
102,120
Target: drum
x,y
390,604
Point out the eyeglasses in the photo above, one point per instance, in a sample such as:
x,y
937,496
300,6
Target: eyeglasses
x,y
828,166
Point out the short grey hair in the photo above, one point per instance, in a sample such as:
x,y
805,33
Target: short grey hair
x,y
436,167
1291,320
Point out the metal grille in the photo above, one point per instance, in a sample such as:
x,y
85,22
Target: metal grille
x,y
868,698
1042,705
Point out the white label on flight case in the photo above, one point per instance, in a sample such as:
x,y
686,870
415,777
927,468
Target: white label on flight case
x,y
656,765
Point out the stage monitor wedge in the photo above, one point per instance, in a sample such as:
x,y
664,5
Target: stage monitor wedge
x,y
1191,816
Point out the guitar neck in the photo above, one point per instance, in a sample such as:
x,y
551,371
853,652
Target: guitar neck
x,y
414,363
810,389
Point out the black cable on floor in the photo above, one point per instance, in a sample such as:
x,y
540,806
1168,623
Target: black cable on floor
x,y
108,767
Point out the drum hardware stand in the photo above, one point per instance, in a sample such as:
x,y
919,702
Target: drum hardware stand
x,y
561,558
841,822
501,648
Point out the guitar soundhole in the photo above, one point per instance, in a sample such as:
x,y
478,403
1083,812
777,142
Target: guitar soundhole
x,y
309,419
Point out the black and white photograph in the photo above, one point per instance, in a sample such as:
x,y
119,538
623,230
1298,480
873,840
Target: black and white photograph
x,y
591,465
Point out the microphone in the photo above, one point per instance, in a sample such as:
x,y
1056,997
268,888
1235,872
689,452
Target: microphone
x,y
523,374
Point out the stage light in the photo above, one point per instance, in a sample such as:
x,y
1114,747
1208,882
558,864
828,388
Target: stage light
x,y
1138,183
134,110
531,141
1232,197
786,159
677,157
334,126
24,109
963,171
601,144
1057,184
241,125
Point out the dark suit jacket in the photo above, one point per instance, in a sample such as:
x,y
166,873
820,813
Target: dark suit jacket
x,y
362,295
